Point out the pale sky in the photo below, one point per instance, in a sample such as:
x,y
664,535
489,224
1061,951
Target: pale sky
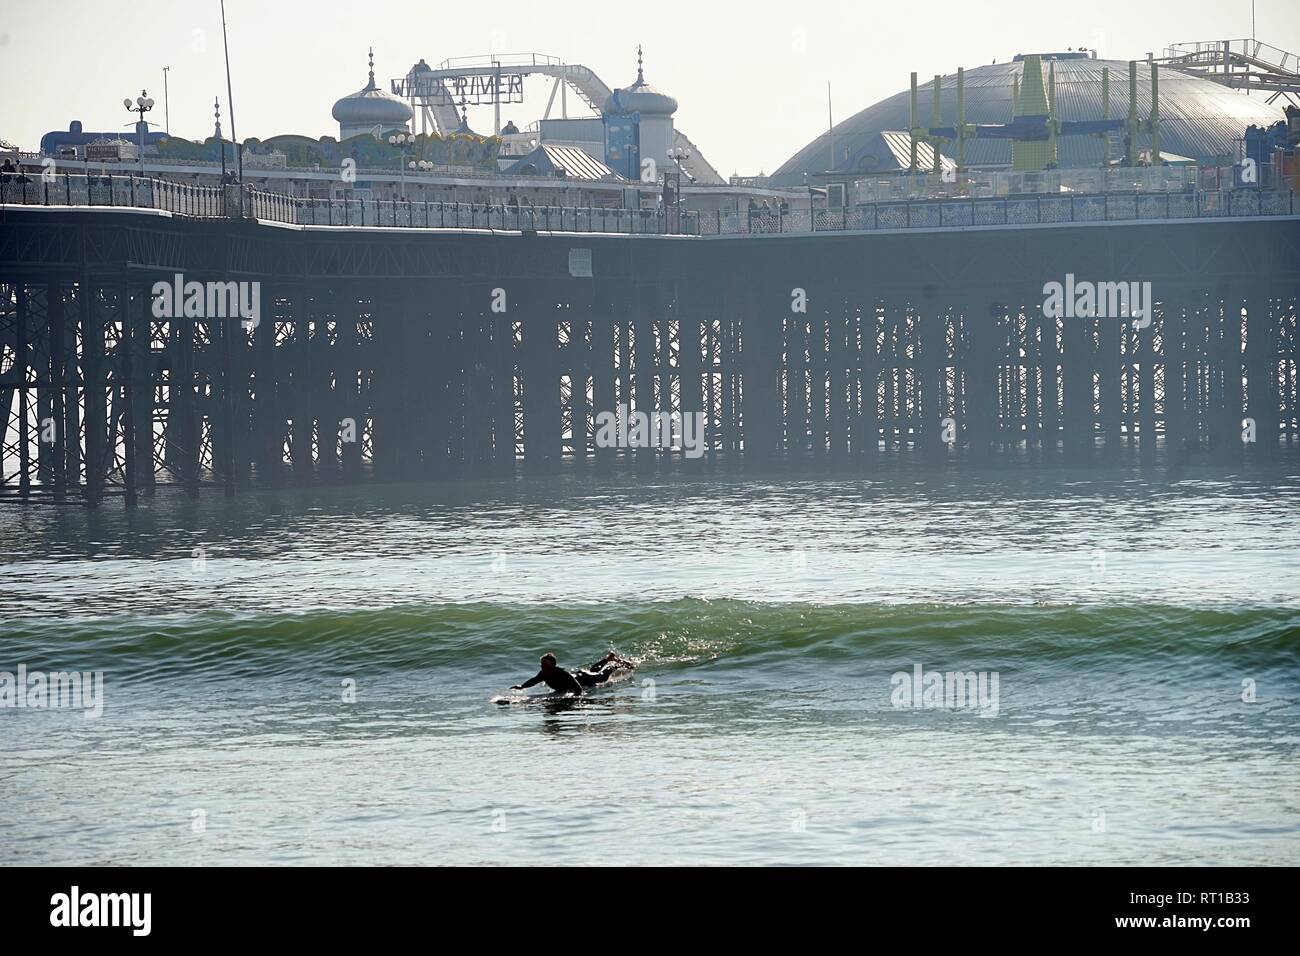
x,y
750,77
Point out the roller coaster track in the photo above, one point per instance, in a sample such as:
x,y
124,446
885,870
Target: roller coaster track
x,y
429,88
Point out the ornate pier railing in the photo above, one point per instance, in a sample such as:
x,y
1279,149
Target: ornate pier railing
x,y
199,201
182,199
419,214
1010,211
69,189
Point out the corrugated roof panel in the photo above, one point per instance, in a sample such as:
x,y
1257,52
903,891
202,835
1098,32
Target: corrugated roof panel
x,y
900,146
577,163
1198,118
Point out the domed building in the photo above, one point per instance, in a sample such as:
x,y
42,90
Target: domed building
x,y
370,107
638,126
1199,118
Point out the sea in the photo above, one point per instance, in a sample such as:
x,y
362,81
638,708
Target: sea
x,y
962,667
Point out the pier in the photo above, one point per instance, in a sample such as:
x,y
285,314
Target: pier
x,y
390,346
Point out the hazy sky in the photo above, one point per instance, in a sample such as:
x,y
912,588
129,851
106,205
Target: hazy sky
x,y
750,77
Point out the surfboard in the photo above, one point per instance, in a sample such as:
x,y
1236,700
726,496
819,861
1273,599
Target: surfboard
x,y
532,698
618,677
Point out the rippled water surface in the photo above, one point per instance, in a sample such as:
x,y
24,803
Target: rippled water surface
x,y
1144,635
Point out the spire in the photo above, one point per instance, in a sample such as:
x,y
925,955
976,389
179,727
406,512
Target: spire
x,y
216,111
371,84
640,74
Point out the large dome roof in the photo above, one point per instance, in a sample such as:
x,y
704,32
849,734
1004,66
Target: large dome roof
x,y
371,105
1199,118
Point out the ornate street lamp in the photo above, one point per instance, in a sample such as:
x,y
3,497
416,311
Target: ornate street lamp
x,y
143,104
401,142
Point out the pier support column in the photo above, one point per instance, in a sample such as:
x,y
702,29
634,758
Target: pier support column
x,y
579,363
929,362
981,384
1030,368
190,430
1076,390
795,372
1177,424
55,323
504,359
335,309
1109,365
415,382
893,308
476,362
869,318
227,453
350,374
539,362
647,312
818,371
1262,347
433,369
269,417
94,373
22,374
838,374
127,372
1228,372
393,440
303,383
1287,360
760,354
73,381
458,366
690,362
1049,363
1146,357
604,394
147,372
729,376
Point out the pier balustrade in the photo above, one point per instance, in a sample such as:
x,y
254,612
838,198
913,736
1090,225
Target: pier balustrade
x,y
200,201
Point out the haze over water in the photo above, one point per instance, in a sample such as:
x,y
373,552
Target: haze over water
x,y
1125,616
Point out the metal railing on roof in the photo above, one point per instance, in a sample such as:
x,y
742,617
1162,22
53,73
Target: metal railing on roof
x,y
1212,53
503,60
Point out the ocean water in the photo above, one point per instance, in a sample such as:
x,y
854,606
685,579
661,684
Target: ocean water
x,y
313,675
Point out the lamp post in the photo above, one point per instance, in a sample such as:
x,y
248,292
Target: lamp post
x,y
221,143
400,142
143,104
424,166
230,97
678,155
167,106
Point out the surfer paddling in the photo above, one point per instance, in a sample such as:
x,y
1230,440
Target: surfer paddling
x,y
563,682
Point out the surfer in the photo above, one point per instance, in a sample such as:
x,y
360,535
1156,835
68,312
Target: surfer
x,y
562,682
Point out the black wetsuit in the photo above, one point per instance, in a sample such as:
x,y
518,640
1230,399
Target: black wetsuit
x,y
558,680
599,672
563,682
